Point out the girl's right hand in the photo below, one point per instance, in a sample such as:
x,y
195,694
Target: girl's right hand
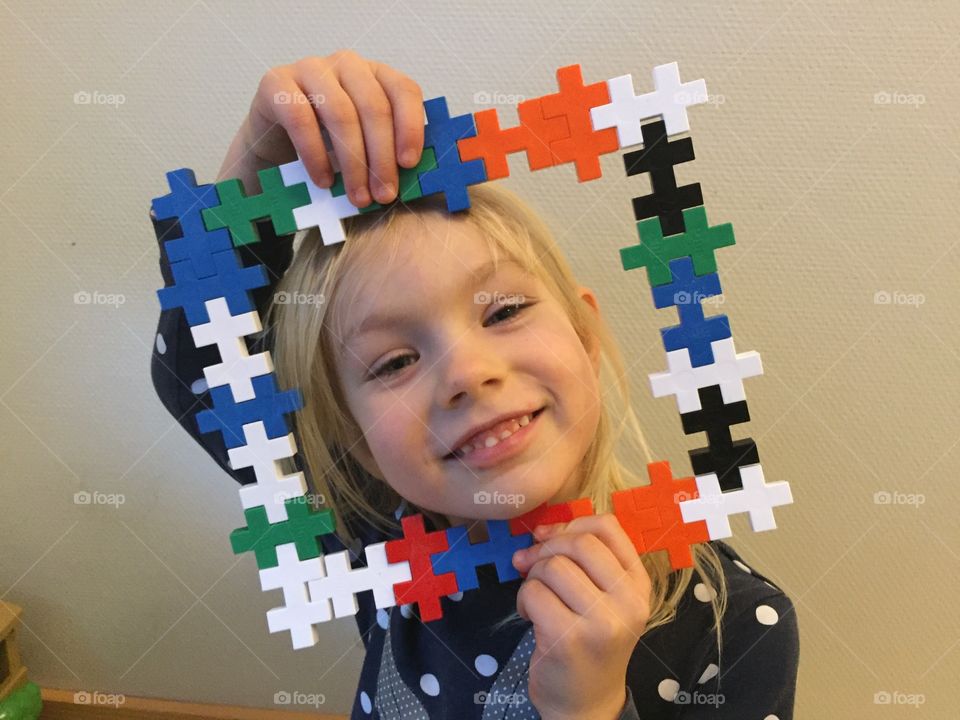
x,y
372,112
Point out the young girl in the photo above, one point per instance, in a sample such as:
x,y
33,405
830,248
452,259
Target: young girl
x,y
407,340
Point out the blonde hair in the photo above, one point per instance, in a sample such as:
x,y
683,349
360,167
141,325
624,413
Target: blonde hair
x,y
305,348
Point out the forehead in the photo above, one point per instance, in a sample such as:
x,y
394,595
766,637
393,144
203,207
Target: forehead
x,y
433,261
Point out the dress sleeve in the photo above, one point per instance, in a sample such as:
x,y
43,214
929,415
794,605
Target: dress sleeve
x,y
177,364
756,675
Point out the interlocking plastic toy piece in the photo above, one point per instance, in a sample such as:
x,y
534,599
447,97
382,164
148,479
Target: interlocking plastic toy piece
x,y
696,333
727,371
757,497
425,587
722,456
299,612
583,145
657,157
231,280
263,454
670,100
302,528
686,289
549,514
238,212
196,244
236,367
650,515
463,557
534,135
268,405
698,241
451,176
408,181
324,211
342,582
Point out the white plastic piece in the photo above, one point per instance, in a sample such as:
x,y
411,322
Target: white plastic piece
x,y
325,211
299,613
343,582
237,367
263,454
727,370
670,99
757,497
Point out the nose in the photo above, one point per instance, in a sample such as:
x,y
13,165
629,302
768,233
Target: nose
x,y
469,368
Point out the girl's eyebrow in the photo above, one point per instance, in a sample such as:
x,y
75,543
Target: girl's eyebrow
x,y
481,273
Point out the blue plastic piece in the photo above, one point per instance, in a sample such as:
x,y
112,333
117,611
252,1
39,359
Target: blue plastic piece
x,y
184,203
685,287
695,332
269,405
231,281
463,558
451,176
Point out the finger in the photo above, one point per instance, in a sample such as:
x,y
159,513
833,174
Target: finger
x,y
339,116
376,120
568,582
293,111
585,549
607,528
538,604
406,99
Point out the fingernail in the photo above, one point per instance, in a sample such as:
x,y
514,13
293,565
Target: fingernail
x,y
362,196
519,556
386,192
408,157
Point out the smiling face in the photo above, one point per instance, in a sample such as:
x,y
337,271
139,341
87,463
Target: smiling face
x,y
454,350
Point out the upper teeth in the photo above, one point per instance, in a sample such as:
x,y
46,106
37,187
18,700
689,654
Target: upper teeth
x,y
489,439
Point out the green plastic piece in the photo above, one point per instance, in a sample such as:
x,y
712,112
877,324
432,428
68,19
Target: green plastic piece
x,y
303,527
24,703
409,179
698,242
237,212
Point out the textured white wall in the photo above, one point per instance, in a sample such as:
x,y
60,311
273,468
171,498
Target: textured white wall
x,y
835,195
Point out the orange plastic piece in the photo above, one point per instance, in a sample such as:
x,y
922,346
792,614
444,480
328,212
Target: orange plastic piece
x,y
651,516
583,145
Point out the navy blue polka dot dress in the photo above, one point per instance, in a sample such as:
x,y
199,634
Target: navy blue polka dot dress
x,y
457,666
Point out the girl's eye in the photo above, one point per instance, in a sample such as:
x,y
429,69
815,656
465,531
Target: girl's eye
x,y
391,366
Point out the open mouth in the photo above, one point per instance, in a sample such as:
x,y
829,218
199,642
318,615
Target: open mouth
x,y
455,455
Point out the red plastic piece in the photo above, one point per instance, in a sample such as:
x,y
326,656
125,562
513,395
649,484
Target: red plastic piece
x,y
549,514
651,516
424,587
583,145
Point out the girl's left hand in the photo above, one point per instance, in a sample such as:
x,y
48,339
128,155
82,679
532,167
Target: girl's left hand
x,y
588,596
